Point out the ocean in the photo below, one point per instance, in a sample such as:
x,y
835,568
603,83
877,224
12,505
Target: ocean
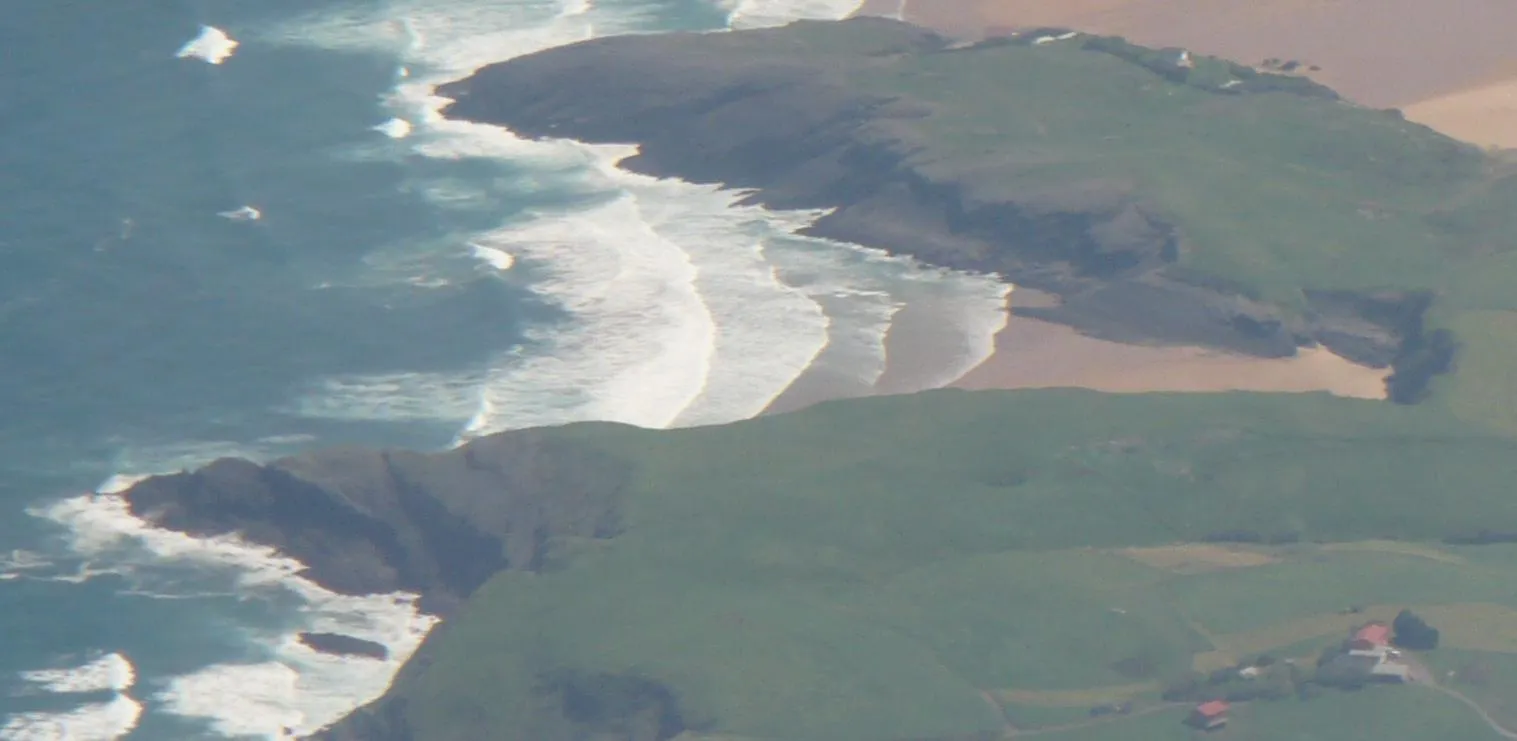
x,y
241,227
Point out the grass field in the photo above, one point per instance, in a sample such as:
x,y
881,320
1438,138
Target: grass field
x,y
1484,389
1485,677
1373,201
890,573
1372,715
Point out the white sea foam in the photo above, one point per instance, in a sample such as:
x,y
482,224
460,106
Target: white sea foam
x,y
395,128
638,347
20,561
241,213
980,307
212,45
455,193
765,13
297,687
765,333
101,721
95,721
413,397
109,673
670,300
495,257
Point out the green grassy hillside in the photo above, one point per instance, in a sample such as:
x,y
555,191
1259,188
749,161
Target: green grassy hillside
x,y
1276,191
1277,187
928,566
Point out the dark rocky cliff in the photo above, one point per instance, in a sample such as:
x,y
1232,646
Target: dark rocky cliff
x,y
737,109
372,522
367,522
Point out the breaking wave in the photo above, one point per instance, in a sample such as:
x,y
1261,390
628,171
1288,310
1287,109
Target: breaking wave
x,y
288,686
765,13
680,306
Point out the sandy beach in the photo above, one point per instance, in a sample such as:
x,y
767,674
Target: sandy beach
x,y
1032,353
1035,354
1484,114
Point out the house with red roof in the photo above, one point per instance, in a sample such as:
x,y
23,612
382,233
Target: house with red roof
x,y
1373,639
1209,716
1372,635
1372,642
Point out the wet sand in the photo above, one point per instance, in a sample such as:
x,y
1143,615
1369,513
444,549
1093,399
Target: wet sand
x,y
1031,354
923,351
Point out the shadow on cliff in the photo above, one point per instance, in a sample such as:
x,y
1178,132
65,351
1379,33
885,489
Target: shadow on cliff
x,y
370,522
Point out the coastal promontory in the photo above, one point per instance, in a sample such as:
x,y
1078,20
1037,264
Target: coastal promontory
x,y
931,566
1163,197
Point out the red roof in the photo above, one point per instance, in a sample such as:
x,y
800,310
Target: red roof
x,y
1376,634
1212,709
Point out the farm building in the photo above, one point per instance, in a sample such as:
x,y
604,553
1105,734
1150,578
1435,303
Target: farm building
x,y
1374,636
1391,671
1369,657
1209,716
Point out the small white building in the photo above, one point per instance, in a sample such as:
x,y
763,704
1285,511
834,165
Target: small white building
x,y
1393,671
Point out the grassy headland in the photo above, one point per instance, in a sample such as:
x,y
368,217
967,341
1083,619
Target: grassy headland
x,y
931,566
1162,198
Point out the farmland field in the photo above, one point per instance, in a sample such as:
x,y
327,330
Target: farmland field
x,y
792,626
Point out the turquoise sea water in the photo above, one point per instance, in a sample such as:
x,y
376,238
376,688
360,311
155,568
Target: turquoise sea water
x,y
409,282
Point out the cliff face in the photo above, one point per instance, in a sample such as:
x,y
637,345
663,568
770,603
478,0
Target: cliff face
x,y
371,522
737,109
368,522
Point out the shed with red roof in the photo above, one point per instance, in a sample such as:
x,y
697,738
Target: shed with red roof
x,y
1209,716
1372,636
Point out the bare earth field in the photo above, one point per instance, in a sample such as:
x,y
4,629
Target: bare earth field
x,y
1485,115
1192,558
1451,65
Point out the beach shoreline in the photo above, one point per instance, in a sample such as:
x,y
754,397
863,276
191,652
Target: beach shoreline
x,y
1033,354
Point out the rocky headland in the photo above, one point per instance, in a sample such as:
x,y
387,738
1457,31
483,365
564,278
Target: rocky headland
x,y
376,522
743,111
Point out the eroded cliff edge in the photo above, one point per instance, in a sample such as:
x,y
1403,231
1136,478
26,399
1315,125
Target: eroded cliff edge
x,y
375,522
742,110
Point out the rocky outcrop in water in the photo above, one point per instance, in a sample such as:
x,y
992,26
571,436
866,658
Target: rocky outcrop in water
x,y
373,522
337,644
737,109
